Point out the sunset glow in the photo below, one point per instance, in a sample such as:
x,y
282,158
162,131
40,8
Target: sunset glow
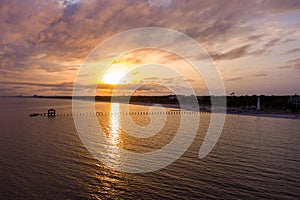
x,y
254,45
149,99
112,77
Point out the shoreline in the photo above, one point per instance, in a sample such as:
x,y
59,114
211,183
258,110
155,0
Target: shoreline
x,y
270,115
206,109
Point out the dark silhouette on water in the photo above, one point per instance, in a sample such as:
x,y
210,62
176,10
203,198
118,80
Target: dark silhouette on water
x,y
51,112
34,114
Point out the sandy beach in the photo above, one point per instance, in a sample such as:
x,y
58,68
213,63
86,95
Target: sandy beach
x,y
273,115
207,109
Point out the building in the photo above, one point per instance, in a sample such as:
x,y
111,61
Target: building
x,y
295,100
258,104
51,112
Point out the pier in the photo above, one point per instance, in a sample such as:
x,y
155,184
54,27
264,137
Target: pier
x,y
53,113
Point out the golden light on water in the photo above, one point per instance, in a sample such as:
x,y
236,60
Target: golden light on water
x,y
114,124
113,137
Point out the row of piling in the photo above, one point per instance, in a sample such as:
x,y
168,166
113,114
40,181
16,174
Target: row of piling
x,y
54,114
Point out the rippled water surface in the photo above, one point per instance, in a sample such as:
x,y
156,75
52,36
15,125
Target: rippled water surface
x,y
44,158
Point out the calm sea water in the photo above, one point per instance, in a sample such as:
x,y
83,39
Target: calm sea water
x,y
44,158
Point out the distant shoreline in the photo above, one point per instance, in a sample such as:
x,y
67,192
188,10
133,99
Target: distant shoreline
x,y
255,114
202,108
207,109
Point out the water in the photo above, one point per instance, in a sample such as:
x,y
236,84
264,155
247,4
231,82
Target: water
x,y
44,158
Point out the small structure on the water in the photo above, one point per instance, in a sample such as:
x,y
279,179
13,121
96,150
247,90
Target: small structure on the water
x,y
51,112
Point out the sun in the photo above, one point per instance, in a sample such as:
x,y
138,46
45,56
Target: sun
x,y
115,74
112,77
120,73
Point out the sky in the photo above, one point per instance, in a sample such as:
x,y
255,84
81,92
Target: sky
x,y
255,45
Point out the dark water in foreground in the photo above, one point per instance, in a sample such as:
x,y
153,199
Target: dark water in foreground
x,y
43,158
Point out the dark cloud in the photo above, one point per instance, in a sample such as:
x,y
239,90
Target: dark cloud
x,y
151,78
278,6
294,60
77,28
267,47
256,37
152,87
64,84
235,78
261,75
141,88
289,40
294,64
232,54
29,88
297,66
169,58
260,52
238,78
292,51
272,43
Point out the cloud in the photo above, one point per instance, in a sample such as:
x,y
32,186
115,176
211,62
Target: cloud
x,y
261,75
266,48
292,51
141,88
288,40
159,3
235,78
271,43
30,88
152,87
256,37
151,78
55,36
232,54
297,66
239,78
278,6
294,60
77,28
295,63
64,84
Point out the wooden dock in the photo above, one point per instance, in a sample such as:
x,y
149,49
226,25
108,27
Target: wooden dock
x,y
52,113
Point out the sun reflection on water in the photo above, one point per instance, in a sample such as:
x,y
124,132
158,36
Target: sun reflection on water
x,y
113,154
114,124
